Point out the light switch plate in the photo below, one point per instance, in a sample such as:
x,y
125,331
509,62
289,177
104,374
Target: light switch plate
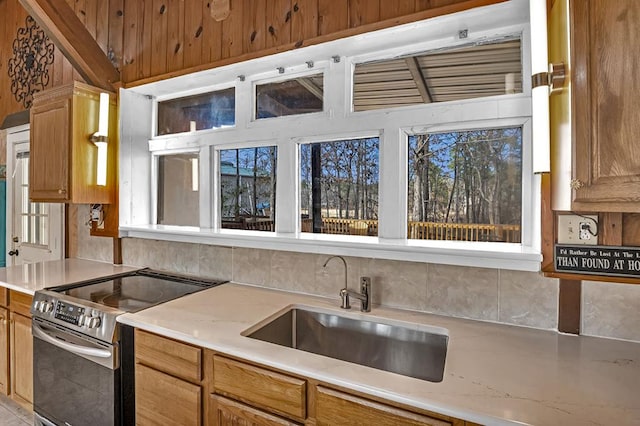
x,y
572,229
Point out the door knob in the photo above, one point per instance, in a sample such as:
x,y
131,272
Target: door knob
x,y
14,252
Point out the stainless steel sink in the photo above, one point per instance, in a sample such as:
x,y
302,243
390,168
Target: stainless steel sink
x,y
411,350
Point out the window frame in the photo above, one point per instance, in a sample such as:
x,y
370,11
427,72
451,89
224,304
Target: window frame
x,y
292,74
336,122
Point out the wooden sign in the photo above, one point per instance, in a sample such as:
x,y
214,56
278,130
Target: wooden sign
x,y
598,260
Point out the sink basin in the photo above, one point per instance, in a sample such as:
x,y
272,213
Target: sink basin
x,y
408,349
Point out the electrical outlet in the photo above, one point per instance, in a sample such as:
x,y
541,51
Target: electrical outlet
x,y
96,213
585,231
574,229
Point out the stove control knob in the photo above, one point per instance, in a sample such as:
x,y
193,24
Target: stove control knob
x,y
45,306
81,320
36,305
93,322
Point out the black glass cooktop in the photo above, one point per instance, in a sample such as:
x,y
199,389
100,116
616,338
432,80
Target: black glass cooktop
x,y
132,293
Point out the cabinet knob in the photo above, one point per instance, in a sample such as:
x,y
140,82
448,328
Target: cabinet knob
x,y
61,191
576,184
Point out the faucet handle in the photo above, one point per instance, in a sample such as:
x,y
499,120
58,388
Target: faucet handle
x,y
365,291
365,285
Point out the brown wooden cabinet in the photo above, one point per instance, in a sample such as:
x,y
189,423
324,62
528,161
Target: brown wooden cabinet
x,y
63,160
4,351
178,383
336,407
226,412
20,348
164,399
605,45
279,393
168,381
21,359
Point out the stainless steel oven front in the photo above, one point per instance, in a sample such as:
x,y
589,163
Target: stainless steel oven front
x,y
76,377
83,360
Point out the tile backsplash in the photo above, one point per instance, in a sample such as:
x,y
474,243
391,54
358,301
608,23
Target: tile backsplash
x,y
611,310
520,298
505,296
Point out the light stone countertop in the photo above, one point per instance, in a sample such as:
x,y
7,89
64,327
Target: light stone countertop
x,y
32,277
494,374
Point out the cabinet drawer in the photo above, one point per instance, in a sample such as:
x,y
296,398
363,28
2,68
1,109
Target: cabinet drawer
x,y
226,412
165,400
172,357
20,303
274,391
334,407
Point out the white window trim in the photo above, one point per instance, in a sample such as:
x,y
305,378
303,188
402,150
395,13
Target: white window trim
x,y
337,121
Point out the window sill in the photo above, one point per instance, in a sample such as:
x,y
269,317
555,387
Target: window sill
x,y
484,255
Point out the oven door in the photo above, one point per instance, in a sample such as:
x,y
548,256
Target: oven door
x,y
76,379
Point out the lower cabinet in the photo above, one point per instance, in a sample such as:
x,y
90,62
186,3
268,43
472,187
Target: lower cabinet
x,y
21,349
21,358
4,351
226,412
178,383
336,407
169,389
166,400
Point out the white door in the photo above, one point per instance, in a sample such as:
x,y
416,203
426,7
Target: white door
x,y
34,230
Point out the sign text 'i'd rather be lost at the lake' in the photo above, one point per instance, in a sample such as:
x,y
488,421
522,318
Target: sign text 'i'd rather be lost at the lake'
x,y
600,260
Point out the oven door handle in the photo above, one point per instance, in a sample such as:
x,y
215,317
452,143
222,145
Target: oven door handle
x,y
71,347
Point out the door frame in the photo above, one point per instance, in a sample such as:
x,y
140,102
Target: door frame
x,y
16,135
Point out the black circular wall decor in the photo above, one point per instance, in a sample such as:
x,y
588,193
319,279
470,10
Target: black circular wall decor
x,y
28,68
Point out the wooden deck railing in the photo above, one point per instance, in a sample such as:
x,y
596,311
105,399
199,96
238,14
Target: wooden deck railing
x,y
249,224
463,232
423,230
416,230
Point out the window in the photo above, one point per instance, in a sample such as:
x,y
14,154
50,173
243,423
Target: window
x,y
248,188
178,190
466,185
380,172
339,187
467,72
206,111
34,217
301,95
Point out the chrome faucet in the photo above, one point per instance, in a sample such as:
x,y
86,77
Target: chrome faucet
x,y
365,289
364,296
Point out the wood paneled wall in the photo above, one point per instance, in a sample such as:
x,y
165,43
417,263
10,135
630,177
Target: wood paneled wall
x,y
166,37
12,17
103,18
154,39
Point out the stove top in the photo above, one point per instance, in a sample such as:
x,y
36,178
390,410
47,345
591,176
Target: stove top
x,y
91,307
131,293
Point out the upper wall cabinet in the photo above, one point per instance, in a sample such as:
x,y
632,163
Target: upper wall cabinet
x,y
64,162
605,38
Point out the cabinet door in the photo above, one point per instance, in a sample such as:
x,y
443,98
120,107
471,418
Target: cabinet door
x,y
4,351
339,408
259,386
21,359
605,103
49,153
225,412
166,400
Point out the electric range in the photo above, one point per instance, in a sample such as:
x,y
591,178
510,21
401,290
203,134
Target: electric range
x,y
83,359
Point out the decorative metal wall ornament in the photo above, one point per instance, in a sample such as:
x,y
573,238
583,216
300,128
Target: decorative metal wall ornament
x,y
28,68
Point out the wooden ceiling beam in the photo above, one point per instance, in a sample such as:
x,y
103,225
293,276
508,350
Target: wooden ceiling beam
x,y
60,23
416,73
